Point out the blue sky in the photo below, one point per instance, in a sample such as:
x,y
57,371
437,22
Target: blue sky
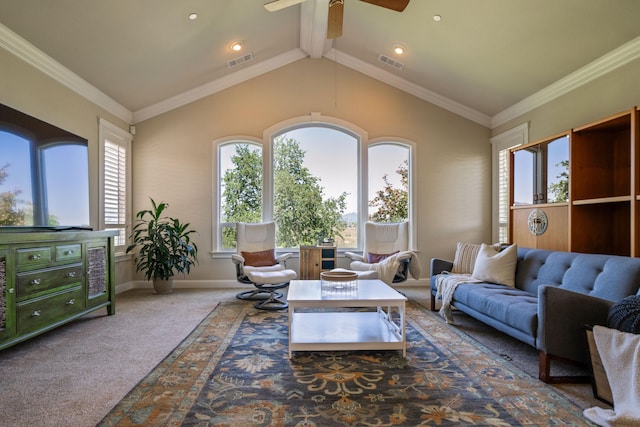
x,y
67,177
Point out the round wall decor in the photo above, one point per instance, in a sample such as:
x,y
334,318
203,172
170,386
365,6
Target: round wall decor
x,y
538,222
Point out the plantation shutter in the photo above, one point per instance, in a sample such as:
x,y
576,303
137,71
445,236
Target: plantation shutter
x,y
115,189
115,197
503,195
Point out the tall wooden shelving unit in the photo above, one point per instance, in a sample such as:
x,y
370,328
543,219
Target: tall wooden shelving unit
x,y
601,179
603,211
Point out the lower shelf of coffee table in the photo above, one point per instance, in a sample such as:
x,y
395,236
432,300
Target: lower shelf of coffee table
x,y
345,331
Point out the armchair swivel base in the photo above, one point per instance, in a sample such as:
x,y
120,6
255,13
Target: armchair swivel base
x,y
267,285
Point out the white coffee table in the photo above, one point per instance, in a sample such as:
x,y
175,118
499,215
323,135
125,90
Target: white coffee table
x,y
334,328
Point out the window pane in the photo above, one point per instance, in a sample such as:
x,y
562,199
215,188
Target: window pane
x,y
558,170
16,199
67,180
523,176
315,186
388,183
240,168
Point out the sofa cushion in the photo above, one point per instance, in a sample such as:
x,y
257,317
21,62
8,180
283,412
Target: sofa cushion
x,y
511,306
589,274
496,267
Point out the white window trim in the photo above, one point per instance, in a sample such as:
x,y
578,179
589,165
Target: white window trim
x,y
413,230
109,131
504,141
216,185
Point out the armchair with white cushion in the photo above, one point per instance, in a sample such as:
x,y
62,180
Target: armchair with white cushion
x,y
256,263
385,255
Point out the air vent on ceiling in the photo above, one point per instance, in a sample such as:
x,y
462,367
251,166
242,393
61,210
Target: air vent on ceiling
x,y
241,60
395,64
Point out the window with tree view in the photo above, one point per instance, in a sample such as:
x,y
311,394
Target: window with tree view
x,y
314,185
541,172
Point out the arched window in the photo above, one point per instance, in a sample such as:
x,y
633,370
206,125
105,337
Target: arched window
x,y
389,182
317,179
315,186
240,187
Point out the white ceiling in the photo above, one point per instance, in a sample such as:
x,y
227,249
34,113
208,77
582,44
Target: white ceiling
x,y
485,60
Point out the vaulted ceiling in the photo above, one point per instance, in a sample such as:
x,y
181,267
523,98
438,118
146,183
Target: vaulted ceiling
x,y
485,59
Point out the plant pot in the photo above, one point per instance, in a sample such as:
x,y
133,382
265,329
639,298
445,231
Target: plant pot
x,y
162,286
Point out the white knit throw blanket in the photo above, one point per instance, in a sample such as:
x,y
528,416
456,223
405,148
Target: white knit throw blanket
x,y
446,284
620,355
388,267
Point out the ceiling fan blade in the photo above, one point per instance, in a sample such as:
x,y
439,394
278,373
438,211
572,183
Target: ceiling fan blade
x,y
334,24
397,5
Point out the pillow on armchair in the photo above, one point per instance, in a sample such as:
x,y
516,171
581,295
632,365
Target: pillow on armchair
x,y
376,258
260,258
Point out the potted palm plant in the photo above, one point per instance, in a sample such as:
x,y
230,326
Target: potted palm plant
x,y
164,246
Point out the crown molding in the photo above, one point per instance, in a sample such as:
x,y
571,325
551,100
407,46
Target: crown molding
x,y
406,86
624,54
218,85
24,50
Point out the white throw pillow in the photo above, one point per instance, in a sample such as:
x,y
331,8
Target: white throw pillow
x,y
465,258
496,267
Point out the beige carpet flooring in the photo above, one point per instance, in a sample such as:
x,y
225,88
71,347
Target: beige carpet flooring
x,y
74,375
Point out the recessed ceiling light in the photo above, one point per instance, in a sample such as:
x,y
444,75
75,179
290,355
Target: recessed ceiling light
x,y
437,18
399,49
236,46
193,16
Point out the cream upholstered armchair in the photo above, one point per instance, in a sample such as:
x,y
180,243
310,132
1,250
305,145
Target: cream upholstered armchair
x,y
256,263
382,241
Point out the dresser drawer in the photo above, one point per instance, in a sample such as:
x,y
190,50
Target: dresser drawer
x,y
41,312
37,282
33,257
68,252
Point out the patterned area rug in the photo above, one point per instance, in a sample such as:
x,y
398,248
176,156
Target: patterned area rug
x,y
234,370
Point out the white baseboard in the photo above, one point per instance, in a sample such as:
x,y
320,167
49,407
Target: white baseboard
x,y
228,284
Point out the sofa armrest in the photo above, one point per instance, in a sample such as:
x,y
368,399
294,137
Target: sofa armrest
x,y
562,316
439,265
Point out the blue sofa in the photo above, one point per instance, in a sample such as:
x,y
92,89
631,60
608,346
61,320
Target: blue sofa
x,y
555,295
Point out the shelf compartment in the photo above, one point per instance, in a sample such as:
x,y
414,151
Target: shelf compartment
x,y
600,163
603,228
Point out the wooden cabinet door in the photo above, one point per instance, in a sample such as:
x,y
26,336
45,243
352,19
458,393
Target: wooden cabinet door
x,y
310,262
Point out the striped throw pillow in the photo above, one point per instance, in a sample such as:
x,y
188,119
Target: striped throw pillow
x,y
465,258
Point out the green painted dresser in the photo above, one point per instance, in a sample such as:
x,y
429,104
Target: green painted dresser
x,y
49,278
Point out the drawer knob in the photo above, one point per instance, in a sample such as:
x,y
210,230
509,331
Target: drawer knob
x,y
36,281
71,274
35,257
36,313
71,301
11,290
68,252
